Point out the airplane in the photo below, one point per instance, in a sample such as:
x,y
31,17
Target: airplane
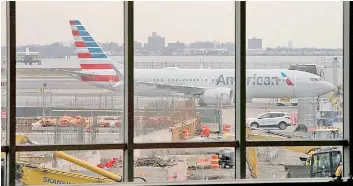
x,y
99,70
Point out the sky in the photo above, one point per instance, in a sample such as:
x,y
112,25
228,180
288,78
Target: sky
x,y
306,24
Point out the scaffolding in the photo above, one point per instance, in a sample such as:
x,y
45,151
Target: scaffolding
x,y
307,109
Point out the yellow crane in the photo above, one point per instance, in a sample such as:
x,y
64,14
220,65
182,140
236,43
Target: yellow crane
x,y
32,174
316,156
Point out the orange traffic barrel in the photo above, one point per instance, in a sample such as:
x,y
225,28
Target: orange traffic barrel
x,y
185,134
214,162
226,128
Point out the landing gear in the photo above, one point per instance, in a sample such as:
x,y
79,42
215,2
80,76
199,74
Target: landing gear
x,y
201,100
202,103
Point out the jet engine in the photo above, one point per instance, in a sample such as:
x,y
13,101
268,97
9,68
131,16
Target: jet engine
x,y
225,94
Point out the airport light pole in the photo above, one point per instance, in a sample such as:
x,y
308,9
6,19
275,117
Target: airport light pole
x,y
43,99
219,107
335,64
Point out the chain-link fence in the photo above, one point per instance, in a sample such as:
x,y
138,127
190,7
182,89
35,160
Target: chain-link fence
x,y
56,118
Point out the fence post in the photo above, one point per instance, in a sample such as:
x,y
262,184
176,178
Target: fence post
x,y
75,106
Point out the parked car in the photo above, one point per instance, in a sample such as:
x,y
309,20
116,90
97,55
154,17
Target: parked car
x,y
270,119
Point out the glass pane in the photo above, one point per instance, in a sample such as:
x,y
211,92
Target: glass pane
x,y
68,90
70,167
186,63
293,162
172,165
295,70
3,73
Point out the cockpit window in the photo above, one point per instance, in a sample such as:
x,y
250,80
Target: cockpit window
x,y
315,79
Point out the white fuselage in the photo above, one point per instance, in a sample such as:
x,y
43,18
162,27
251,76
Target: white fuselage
x,y
260,83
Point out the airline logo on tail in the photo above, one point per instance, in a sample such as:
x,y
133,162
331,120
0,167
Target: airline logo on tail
x,y
288,81
92,58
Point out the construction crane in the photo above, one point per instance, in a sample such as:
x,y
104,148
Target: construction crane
x,y
33,174
319,162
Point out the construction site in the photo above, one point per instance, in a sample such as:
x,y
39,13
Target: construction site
x,y
92,119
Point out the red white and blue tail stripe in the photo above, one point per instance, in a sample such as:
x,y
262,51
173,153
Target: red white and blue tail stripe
x,y
91,56
88,51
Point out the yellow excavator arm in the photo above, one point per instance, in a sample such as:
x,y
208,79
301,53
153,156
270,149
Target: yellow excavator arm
x,y
31,174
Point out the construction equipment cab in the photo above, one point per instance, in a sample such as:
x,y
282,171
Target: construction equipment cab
x,y
326,164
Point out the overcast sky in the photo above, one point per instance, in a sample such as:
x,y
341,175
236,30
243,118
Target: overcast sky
x,y
306,24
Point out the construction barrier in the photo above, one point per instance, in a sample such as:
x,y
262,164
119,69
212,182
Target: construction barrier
x,y
185,134
214,162
190,127
205,131
227,134
294,118
226,128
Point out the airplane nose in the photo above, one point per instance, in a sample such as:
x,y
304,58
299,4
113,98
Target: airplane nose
x,y
328,87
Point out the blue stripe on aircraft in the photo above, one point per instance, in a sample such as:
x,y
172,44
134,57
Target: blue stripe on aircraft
x,y
95,50
77,22
91,44
80,28
283,74
99,56
84,33
87,39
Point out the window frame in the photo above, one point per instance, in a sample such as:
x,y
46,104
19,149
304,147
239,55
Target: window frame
x,y
128,146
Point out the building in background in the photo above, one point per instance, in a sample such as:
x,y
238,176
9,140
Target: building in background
x,y
202,45
155,42
290,44
176,46
254,43
137,45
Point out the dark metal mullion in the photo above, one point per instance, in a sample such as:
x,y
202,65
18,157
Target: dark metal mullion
x,y
296,143
347,55
128,174
5,149
240,74
11,92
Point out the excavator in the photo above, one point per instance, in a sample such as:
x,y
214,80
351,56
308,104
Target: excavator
x,y
320,162
33,174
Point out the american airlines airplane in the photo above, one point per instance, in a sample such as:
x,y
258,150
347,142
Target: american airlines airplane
x,y
99,70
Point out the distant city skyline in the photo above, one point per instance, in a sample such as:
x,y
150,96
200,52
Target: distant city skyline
x,y
305,24
284,45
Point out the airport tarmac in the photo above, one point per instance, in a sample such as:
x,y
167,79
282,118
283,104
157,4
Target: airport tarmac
x,y
270,159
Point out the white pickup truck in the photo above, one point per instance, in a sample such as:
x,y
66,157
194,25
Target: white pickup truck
x,y
286,101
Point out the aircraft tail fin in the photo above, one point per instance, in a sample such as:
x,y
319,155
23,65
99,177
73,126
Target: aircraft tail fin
x,y
89,53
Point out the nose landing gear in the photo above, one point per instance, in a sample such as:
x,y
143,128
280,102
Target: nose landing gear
x,y
200,98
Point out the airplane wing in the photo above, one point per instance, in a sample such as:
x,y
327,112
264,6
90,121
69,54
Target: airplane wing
x,y
172,87
175,88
